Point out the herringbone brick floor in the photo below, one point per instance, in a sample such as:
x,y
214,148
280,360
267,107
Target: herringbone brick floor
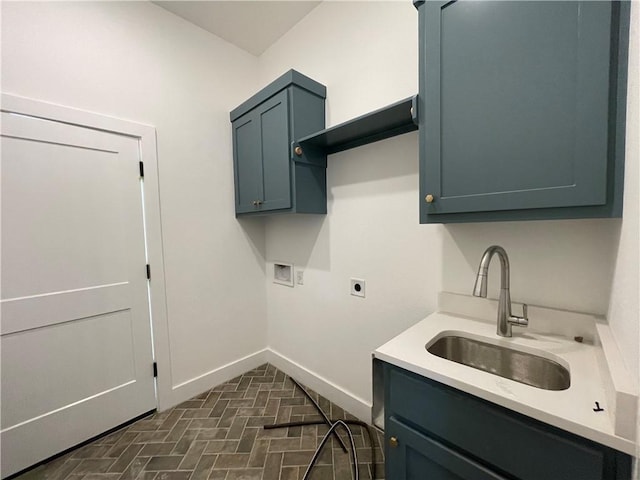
x,y
219,435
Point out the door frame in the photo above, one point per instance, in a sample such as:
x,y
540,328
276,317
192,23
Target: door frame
x,y
146,135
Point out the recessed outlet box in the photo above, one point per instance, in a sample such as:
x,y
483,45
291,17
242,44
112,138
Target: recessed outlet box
x,y
283,273
357,287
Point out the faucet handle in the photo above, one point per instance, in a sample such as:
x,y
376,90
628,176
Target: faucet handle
x,y
522,321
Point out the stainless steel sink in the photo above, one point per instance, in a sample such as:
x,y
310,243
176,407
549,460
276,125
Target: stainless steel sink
x,y
505,362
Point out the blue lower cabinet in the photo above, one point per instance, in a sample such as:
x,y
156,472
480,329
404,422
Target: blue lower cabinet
x,y
435,432
415,456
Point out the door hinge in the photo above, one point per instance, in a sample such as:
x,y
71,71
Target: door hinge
x,y
155,369
148,272
141,169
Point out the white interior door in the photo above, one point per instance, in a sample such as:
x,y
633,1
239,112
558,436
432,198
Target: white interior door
x,y
75,331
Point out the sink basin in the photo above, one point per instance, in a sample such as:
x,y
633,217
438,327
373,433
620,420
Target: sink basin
x,y
505,362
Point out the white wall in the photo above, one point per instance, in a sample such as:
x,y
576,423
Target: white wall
x,y
134,60
566,264
624,305
366,55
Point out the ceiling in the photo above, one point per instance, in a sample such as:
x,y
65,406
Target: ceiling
x,y
251,25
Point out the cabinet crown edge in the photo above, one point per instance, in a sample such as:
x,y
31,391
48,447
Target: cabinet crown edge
x,y
292,77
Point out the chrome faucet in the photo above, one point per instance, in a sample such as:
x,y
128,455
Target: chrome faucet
x,y
505,319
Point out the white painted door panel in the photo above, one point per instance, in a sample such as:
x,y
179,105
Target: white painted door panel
x,y
75,330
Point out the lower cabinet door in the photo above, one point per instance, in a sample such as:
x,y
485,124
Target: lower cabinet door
x,y
410,455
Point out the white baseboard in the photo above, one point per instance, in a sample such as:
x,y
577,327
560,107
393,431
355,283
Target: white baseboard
x,y
202,383
341,397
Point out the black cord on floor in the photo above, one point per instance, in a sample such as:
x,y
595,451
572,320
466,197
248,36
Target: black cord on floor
x,y
337,423
332,424
365,426
326,419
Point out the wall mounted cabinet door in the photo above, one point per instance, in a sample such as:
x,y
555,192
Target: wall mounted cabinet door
x,y
275,143
517,105
248,164
261,154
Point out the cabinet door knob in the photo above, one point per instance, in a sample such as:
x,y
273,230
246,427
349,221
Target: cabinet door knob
x,y
429,198
259,202
298,150
393,441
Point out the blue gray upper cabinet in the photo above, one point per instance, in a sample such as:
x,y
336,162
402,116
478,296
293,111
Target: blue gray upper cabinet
x,y
268,177
522,108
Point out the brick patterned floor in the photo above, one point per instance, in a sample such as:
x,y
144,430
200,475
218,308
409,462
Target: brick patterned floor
x,y
219,435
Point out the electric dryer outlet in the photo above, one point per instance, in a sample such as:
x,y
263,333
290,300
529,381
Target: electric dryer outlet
x,y
358,287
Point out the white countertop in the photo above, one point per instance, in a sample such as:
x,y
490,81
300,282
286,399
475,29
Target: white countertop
x,y
570,410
